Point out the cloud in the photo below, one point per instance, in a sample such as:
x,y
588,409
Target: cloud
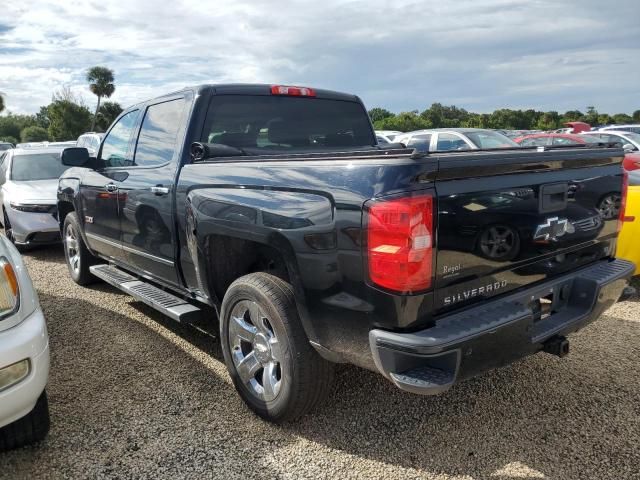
x,y
403,55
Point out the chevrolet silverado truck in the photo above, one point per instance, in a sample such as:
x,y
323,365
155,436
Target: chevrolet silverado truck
x,y
272,210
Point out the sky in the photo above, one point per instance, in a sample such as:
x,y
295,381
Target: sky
x,y
400,55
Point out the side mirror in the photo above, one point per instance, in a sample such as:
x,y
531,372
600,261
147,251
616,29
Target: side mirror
x,y
75,157
627,147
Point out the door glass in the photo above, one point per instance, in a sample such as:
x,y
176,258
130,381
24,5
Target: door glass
x,y
116,144
420,142
159,132
448,141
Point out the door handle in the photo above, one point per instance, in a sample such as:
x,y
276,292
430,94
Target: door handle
x,y
160,190
111,187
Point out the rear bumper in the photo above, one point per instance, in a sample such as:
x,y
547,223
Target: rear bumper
x,y
497,332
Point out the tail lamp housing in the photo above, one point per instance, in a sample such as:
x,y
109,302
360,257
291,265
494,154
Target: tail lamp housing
x,y
623,200
399,246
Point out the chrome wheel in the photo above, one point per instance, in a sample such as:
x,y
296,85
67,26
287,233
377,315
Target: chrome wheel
x,y
255,350
71,249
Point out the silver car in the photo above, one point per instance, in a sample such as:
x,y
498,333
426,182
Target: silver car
x,y
28,189
446,139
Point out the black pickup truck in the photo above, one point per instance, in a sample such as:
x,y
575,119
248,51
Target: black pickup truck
x,y
273,209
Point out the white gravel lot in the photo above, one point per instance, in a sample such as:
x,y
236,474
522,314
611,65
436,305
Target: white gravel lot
x,y
134,395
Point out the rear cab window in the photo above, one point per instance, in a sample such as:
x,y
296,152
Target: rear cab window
x,y
263,124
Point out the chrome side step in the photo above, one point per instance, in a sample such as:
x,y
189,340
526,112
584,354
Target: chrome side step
x,y
164,302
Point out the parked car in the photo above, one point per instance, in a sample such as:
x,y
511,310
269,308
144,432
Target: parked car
x,y
628,140
5,146
276,206
548,139
28,185
635,128
90,141
445,139
388,135
628,239
24,355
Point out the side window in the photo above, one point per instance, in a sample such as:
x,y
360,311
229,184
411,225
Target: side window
x,y
563,141
420,142
159,133
80,142
448,141
3,168
116,143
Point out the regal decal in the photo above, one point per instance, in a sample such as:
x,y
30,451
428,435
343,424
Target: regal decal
x,y
489,288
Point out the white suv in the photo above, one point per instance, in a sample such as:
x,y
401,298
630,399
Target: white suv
x,y
24,355
90,141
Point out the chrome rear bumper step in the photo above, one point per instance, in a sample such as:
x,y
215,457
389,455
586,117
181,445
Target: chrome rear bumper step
x,y
166,303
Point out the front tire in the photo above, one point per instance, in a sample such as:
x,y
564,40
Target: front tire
x,y
29,429
78,257
275,370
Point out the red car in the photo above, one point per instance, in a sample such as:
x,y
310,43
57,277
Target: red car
x,y
631,160
546,139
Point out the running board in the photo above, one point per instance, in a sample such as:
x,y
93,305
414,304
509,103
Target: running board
x,y
164,302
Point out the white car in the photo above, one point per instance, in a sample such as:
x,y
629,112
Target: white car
x,y
630,141
91,141
387,136
24,355
447,139
28,194
635,128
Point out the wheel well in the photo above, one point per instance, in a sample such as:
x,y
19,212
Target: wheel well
x,y
230,258
64,208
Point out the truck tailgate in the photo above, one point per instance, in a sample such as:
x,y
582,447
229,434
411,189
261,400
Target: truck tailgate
x,y
509,219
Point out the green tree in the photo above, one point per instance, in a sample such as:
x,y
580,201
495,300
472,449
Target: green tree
x,y
404,122
34,134
592,116
377,114
11,125
68,120
636,116
439,115
8,138
622,118
42,117
109,111
571,116
1,103
101,85
548,121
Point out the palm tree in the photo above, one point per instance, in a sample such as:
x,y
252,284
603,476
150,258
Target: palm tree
x,y
101,84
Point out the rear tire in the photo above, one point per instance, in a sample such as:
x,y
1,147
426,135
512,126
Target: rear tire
x,y
76,254
29,429
282,377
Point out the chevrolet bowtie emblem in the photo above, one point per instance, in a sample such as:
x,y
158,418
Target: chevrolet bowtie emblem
x,y
553,229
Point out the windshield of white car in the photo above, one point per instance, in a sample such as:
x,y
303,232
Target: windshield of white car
x,y
489,139
36,166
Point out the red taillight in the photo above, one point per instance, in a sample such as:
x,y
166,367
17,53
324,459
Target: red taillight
x,y
292,91
400,243
623,201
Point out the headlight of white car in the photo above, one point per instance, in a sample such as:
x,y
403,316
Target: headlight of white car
x,y
18,298
9,289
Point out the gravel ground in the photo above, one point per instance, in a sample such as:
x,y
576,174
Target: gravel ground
x,y
134,395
